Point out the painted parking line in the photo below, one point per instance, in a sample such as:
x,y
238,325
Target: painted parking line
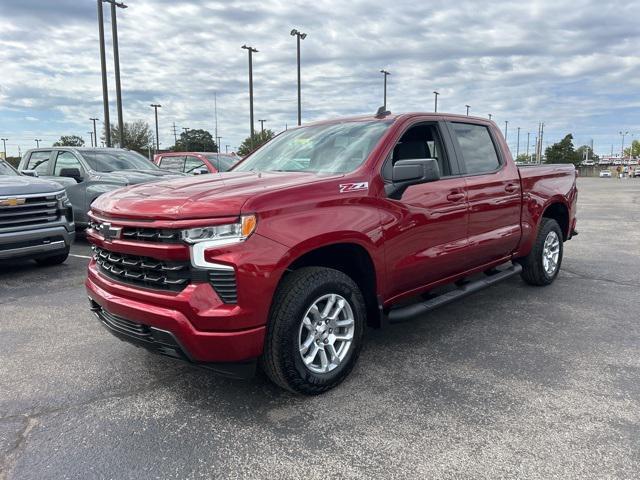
x,y
80,256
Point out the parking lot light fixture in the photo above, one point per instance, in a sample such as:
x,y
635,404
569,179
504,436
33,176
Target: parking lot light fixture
x,y
624,134
95,131
468,107
490,116
299,36
506,129
38,140
4,146
262,126
103,68
435,106
156,106
386,73
251,51
116,62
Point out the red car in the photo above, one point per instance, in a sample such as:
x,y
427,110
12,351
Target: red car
x,y
324,230
195,163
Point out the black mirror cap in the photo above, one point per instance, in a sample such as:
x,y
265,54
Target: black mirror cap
x,y
411,172
71,173
29,173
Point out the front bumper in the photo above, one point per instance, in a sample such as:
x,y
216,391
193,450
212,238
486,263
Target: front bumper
x,y
36,242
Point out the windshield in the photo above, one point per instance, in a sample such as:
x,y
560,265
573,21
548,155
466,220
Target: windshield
x,y
112,160
222,162
334,148
6,169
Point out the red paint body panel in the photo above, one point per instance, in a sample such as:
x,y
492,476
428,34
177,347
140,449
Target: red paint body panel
x,y
435,233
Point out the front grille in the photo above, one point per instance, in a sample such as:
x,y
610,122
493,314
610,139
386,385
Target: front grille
x,y
143,271
224,283
146,234
34,211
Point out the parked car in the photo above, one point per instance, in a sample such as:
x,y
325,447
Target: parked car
x,y
605,174
323,230
195,163
87,173
588,163
36,219
636,173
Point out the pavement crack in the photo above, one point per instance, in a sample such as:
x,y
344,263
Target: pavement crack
x,y
598,279
8,460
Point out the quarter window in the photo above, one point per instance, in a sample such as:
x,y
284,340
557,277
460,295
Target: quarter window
x,y
478,151
39,161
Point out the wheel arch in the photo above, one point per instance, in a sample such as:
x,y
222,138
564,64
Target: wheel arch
x,y
558,211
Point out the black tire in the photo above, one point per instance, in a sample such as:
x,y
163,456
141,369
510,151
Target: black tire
x,y
533,271
53,260
281,360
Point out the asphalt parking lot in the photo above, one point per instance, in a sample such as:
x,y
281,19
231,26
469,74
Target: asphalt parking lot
x,y
514,381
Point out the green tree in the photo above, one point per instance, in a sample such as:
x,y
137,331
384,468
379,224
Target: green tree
x,y
562,152
584,150
251,143
196,140
14,161
69,141
137,136
633,150
523,158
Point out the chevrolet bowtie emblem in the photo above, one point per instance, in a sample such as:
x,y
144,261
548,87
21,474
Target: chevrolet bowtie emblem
x,y
109,232
12,202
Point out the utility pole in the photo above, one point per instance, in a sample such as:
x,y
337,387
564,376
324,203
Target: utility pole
x,y
251,51
518,147
116,62
435,106
91,134
506,129
95,132
262,126
175,134
467,109
38,140
4,146
103,66
156,106
624,134
299,36
386,74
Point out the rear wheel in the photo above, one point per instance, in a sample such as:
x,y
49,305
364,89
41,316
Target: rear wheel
x,y
53,260
542,265
315,330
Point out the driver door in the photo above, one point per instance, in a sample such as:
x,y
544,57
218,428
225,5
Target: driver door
x,y
425,230
76,190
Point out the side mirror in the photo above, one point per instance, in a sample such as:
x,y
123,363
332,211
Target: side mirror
x,y
200,171
29,173
72,173
411,172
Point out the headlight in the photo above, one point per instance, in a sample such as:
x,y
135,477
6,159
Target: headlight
x,y
63,200
224,233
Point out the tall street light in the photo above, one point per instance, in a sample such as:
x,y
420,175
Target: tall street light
x,y
490,116
386,74
103,67
156,106
38,140
4,145
262,126
435,106
624,134
251,51
95,132
518,147
116,61
506,129
528,137
468,106
299,36
91,135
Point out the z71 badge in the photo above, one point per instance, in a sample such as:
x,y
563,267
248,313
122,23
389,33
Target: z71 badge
x,y
353,187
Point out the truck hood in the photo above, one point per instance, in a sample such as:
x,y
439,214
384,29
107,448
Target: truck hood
x,y
14,185
133,177
205,196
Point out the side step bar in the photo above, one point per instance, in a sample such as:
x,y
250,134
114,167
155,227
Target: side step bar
x,y
409,312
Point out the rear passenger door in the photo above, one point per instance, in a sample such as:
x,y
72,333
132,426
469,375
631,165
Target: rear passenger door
x,y
493,193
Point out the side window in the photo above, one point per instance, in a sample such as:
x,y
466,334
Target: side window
x,y
39,161
478,151
192,164
66,160
420,141
172,163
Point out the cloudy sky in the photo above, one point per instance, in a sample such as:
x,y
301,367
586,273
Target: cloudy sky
x,y
573,64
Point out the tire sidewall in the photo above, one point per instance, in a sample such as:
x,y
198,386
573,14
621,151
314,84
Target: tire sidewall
x,y
549,226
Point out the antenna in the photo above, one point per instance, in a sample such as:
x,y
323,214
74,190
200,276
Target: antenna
x,y
382,112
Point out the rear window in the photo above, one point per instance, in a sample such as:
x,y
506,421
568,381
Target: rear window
x,y
478,151
172,163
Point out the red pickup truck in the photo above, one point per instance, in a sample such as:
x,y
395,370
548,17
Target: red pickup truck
x,y
324,230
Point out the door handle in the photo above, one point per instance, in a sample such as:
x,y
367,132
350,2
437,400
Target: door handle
x,y
510,188
455,196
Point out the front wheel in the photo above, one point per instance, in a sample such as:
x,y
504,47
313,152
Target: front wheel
x,y
315,330
542,265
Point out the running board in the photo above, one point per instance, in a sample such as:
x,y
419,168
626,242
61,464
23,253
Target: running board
x,y
409,312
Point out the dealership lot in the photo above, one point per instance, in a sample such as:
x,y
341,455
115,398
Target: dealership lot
x,y
513,381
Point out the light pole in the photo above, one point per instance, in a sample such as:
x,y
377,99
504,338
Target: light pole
x,y
468,106
435,106
116,62
156,106
251,51
91,135
624,134
299,36
262,126
490,116
186,138
518,147
95,132
528,136
218,140
506,129
103,67
386,74
4,146
38,140
226,149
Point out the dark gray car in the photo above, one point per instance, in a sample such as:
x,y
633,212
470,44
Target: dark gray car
x,y
36,220
87,173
